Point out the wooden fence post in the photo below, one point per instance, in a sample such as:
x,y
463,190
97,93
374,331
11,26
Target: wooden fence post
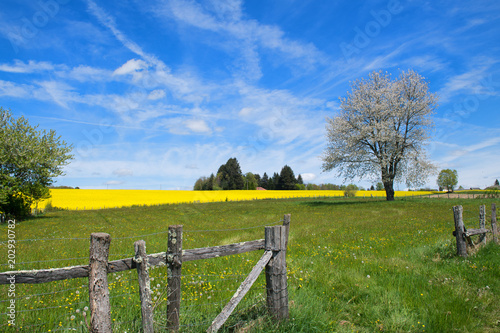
x,y
142,262
100,310
482,223
459,231
494,222
174,271
276,273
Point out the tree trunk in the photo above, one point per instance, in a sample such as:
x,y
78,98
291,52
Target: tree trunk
x,y
389,189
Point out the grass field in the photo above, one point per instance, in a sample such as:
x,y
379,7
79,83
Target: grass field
x,y
354,265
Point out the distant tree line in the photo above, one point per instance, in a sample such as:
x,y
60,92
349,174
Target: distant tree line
x,y
230,177
63,187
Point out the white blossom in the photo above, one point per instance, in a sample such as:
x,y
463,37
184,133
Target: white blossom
x,y
381,130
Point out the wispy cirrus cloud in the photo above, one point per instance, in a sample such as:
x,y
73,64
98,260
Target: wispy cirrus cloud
x,y
12,89
239,33
461,151
29,67
109,22
469,82
53,91
83,73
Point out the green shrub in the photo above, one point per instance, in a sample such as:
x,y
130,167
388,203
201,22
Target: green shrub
x,y
16,206
350,191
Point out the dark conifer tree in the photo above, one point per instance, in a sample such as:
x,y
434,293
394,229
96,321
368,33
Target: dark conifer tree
x,y
275,182
287,179
231,175
264,181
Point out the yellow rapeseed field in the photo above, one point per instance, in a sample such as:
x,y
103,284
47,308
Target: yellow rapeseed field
x,y
97,199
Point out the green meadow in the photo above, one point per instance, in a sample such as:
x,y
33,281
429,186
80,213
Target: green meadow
x,y
354,265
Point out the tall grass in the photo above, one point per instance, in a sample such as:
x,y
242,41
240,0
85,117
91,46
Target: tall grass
x,y
353,265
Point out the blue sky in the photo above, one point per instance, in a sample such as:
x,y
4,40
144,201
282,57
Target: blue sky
x,y
154,94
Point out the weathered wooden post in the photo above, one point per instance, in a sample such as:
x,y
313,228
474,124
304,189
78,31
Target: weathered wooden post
x,y
100,310
482,223
276,273
142,262
174,271
494,222
459,231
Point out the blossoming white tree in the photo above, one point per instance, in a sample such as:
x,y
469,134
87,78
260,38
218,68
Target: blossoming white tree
x,y
381,131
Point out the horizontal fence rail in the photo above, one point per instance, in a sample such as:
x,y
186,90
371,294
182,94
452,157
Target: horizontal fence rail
x,y
120,265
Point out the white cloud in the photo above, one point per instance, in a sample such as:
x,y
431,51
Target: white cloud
x,y
467,150
193,14
124,172
245,112
426,62
131,66
387,60
161,163
60,92
470,174
156,94
475,155
474,81
308,177
109,22
80,73
11,89
198,126
30,67
86,74
334,105
471,23
113,182
229,10
226,19
282,116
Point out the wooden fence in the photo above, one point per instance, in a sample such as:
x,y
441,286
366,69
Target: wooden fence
x,y
463,235
273,260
